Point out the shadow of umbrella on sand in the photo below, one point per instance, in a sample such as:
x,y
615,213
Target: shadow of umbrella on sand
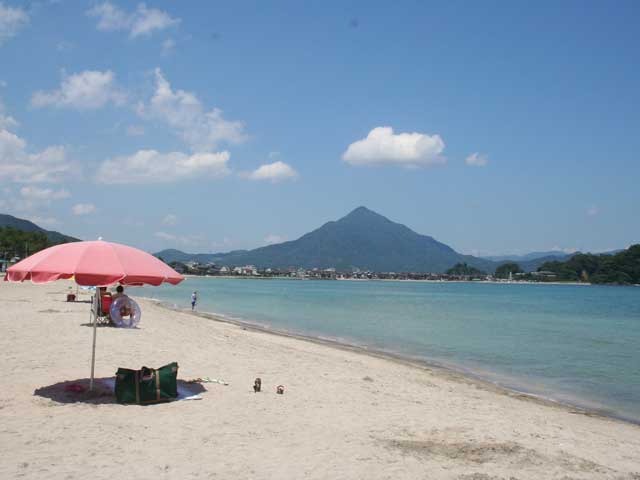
x,y
103,391
96,264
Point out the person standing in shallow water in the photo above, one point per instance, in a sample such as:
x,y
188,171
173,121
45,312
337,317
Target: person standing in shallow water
x,y
194,299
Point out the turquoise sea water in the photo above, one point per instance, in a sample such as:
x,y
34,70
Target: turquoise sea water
x,y
575,344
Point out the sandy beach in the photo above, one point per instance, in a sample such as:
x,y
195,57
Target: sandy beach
x,y
344,414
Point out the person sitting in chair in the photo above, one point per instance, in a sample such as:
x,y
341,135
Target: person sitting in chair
x,y
125,311
119,292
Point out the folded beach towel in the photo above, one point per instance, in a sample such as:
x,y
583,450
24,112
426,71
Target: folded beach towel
x,y
183,393
207,380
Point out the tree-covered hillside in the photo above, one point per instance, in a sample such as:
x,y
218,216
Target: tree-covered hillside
x,y
464,269
623,268
17,243
27,226
507,269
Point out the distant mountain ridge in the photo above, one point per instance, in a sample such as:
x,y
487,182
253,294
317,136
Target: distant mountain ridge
x,y
530,262
28,226
557,254
365,240
362,239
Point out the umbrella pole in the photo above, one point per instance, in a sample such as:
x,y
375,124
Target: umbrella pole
x,y
95,309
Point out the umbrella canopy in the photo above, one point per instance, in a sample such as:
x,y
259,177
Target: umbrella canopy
x,y
95,263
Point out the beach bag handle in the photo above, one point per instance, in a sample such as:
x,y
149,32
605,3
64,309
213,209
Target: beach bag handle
x,y
147,374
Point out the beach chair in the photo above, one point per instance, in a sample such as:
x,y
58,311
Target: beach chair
x,y
104,316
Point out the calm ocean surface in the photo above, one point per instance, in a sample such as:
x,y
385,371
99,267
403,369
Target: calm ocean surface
x,y
575,344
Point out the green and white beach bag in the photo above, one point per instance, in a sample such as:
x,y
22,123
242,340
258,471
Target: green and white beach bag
x,y
147,385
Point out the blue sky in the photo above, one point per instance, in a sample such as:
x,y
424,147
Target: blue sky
x,y
495,127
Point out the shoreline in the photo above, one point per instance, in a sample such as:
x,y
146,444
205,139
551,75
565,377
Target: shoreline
x,y
487,282
449,372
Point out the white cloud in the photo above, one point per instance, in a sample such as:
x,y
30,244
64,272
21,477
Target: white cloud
x,y
383,147
274,172
49,165
135,130
29,199
110,17
6,121
83,208
184,112
593,211
11,20
146,20
143,21
272,238
11,146
150,166
32,204
168,46
170,220
477,160
86,90
43,194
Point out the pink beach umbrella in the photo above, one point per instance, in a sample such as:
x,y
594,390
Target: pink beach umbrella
x,y
95,263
